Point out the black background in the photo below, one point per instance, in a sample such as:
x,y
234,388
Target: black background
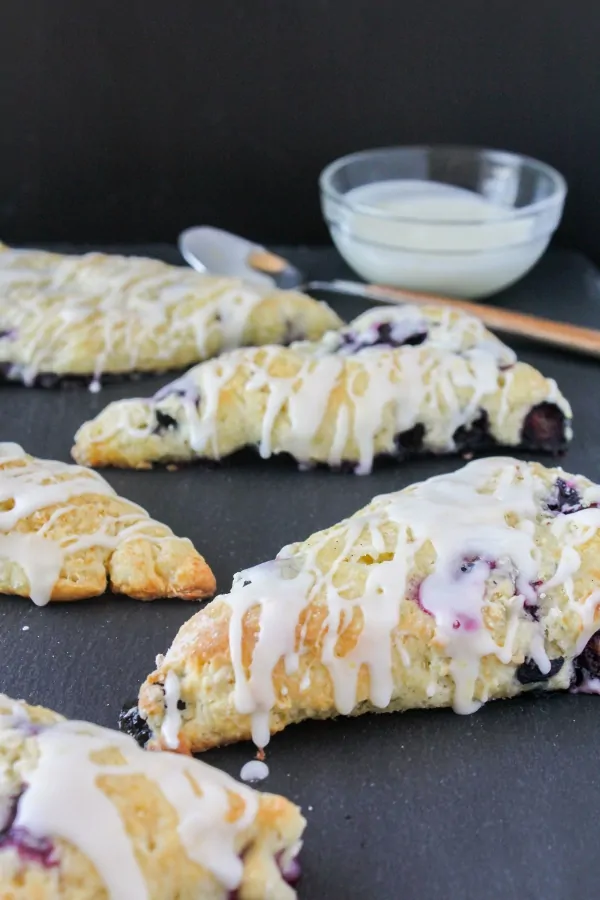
x,y
127,120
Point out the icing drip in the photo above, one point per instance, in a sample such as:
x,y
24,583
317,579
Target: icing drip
x,y
172,721
255,695
28,485
306,396
254,770
481,524
62,799
128,300
40,559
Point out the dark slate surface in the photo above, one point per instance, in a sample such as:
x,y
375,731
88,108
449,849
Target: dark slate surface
x,y
421,805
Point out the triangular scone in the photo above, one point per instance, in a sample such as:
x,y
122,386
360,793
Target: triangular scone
x,y
87,814
102,314
461,589
65,535
396,382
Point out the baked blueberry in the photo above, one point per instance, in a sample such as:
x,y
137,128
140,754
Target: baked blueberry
x,y
532,610
292,871
565,498
385,334
389,336
529,673
291,874
29,847
474,437
544,428
164,422
410,441
132,723
414,340
588,662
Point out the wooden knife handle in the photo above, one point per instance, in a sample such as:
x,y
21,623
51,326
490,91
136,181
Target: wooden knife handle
x,y
266,262
547,331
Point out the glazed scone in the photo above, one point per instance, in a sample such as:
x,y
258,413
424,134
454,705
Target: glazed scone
x,y
396,382
66,535
99,314
465,588
87,815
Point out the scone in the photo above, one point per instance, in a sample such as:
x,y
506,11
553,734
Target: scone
x,y
65,535
396,382
97,315
465,588
87,815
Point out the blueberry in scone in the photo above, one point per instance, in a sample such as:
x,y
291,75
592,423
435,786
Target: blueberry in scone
x,y
85,814
396,382
464,588
402,326
65,534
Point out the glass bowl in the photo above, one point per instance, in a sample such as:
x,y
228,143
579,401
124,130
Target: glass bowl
x,y
457,221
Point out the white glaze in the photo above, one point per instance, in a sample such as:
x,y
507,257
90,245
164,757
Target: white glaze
x,y
172,721
35,484
128,298
441,385
63,800
483,512
437,238
254,770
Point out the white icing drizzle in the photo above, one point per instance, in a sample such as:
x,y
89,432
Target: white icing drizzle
x,y
314,381
440,385
254,770
569,563
63,799
40,559
481,518
28,485
127,300
172,721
